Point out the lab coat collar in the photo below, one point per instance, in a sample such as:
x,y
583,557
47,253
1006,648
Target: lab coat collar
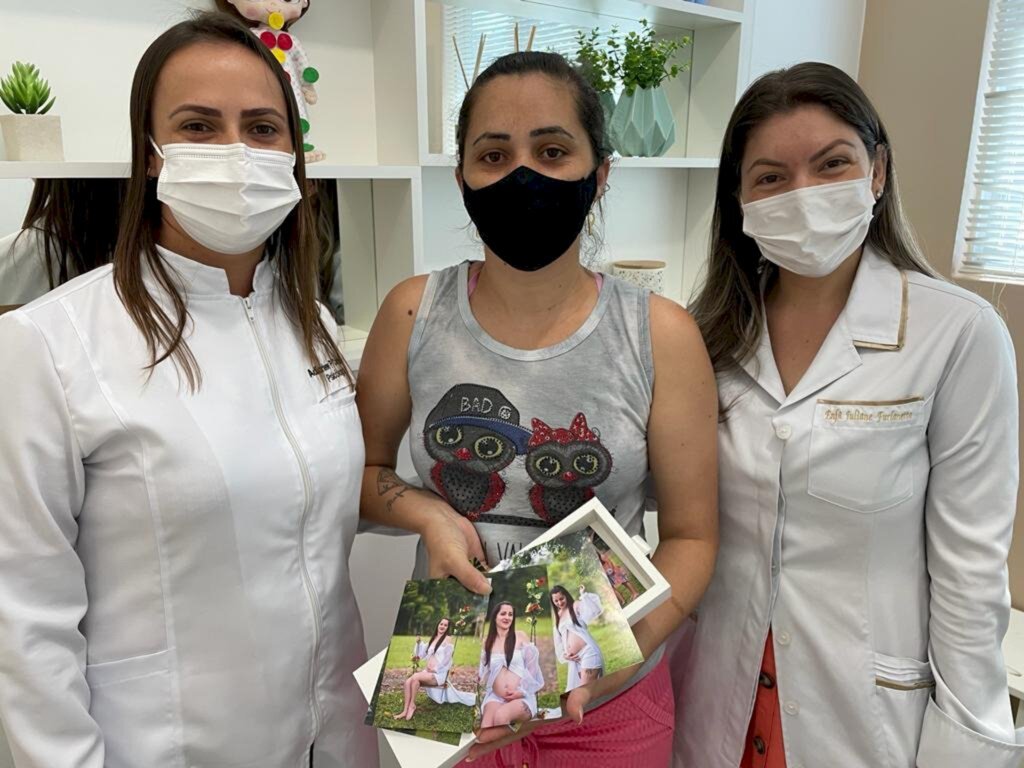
x,y
874,318
195,279
876,311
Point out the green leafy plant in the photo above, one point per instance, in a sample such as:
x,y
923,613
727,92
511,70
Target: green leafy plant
x,y
643,61
25,92
594,62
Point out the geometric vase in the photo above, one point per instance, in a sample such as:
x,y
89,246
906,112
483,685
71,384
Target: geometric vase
x,y
643,124
32,137
607,99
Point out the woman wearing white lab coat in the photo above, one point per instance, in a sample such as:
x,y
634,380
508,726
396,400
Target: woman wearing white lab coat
x,y
70,227
869,464
180,456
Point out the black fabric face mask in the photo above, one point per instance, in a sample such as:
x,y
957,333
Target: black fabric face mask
x,y
528,219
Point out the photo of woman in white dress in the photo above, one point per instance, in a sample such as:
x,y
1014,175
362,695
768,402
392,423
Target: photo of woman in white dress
x,y
437,654
574,644
510,672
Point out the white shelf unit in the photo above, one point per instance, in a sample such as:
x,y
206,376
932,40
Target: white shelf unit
x,y
657,208
378,121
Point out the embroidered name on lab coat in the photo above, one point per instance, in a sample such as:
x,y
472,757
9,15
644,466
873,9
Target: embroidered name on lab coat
x,y
837,413
892,413
333,369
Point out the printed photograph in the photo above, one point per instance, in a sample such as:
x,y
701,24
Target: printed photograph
x,y
591,633
626,586
518,670
451,739
429,681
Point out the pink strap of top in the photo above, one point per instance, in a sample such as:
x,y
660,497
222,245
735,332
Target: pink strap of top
x,y
475,277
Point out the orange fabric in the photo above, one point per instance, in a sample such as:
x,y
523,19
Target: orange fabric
x,y
764,739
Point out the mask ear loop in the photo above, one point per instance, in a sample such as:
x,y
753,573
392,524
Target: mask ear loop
x,y
159,153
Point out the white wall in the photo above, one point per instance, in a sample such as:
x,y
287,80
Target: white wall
x,y
787,32
94,47
14,197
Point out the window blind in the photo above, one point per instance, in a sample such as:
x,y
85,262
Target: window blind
x,y
993,216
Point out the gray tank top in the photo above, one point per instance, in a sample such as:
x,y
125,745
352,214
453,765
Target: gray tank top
x,y
516,439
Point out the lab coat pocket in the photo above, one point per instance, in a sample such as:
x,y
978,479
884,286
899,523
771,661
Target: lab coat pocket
x,y
860,452
903,687
133,705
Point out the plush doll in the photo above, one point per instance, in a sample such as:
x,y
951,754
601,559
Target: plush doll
x,y
271,22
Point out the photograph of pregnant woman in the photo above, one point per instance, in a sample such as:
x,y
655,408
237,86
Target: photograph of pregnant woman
x,y
574,645
591,633
430,675
518,677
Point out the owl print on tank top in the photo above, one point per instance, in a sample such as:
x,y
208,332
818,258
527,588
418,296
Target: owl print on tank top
x,y
473,434
515,440
566,466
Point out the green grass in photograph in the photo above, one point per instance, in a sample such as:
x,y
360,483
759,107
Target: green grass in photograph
x,y
429,716
467,652
452,718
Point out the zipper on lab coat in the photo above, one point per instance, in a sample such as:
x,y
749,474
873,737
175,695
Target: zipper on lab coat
x,y
307,485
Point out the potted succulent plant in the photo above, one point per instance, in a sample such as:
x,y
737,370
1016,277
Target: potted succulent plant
x,y
598,68
29,133
643,124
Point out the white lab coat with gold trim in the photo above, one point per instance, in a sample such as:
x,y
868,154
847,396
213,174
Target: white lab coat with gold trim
x,y
866,519
174,584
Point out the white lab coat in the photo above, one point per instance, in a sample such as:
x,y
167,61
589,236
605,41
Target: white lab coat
x,y
174,586
866,518
23,273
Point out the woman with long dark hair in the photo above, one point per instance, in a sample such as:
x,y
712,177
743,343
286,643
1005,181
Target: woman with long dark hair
x,y
574,645
509,672
501,366
70,227
181,453
436,654
869,461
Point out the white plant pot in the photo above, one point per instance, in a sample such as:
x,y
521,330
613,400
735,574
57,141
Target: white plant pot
x,y
33,137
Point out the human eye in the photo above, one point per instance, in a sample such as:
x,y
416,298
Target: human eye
x,y
836,163
492,157
196,126
265,130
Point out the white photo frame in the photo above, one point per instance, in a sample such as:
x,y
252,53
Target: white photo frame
x,y
414,752
634,552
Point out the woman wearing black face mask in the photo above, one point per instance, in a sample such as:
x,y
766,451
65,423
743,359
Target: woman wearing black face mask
x,y
529,383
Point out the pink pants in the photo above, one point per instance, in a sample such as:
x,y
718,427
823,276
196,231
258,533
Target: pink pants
x,y
633,730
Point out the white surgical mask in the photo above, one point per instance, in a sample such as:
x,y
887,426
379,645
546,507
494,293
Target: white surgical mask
x,y
811,231
228,197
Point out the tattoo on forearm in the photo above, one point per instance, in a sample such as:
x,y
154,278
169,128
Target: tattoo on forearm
x,y
388,481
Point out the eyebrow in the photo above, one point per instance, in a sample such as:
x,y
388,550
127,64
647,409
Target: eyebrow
x,y
211,112
546,131
825,150
820,153
550,130
492,135
208,111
